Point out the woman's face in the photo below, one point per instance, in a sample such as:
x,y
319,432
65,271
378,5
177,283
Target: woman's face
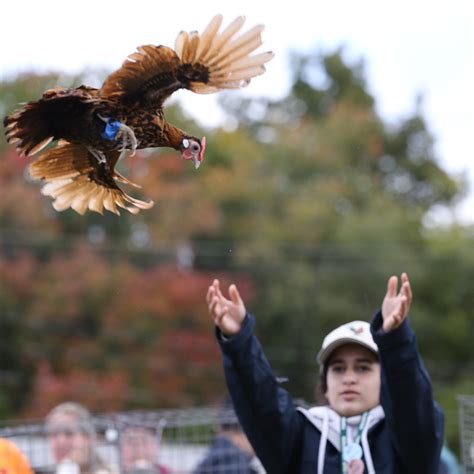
x,y
353,380
68,440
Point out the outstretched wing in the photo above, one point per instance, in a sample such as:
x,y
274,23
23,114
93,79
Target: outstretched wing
x,y
202,63
226,56
147,76
57,114
75,179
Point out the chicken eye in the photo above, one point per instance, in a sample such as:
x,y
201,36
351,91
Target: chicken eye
x,y
195,147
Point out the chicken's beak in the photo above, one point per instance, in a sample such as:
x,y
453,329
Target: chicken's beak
x,y
198,159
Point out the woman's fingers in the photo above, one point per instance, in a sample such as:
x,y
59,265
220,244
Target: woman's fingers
x,y
396,318
210,294
227,314
215,305
234,295
218,310
392,286
218,289
396,303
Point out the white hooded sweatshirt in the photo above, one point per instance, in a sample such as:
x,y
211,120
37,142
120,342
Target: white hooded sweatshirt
x,y
328,422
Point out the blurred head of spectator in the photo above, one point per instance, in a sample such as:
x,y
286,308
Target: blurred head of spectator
x,y
72,439
139,449
231,451
230,429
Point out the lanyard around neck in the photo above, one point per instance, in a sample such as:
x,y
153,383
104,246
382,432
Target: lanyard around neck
x,y
357,437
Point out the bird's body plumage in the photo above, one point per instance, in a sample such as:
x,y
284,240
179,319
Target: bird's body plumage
x,y
94,126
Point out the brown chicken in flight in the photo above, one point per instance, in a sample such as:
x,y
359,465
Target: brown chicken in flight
x,y
95,127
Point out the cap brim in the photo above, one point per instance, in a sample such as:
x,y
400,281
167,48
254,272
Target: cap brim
x,y
325,353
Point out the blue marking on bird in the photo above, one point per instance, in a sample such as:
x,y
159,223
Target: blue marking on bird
x,y
112,127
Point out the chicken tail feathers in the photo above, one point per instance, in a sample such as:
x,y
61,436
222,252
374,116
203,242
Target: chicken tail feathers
x,y
225,55
75,179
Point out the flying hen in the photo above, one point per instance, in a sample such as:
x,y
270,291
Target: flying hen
x,y
94,128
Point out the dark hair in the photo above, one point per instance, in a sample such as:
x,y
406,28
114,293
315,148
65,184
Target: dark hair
x,y
323,382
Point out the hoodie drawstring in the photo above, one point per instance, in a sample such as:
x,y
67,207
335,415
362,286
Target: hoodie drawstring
x,y
365,447
323,442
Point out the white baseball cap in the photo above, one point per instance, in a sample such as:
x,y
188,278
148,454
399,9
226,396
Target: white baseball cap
x,y
355,332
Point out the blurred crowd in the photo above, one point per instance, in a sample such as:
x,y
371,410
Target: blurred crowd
x,y
73,447
72,442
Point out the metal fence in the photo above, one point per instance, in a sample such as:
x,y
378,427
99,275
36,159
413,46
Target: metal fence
x,y
466,431
171,442
164,441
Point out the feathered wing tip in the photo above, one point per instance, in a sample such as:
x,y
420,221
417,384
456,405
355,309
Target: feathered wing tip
x,y
75,179
32,127
24,130
227,55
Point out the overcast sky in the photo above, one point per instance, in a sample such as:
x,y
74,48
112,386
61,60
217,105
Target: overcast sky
x,y
409,46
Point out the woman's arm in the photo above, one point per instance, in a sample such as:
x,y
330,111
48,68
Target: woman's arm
x,y
415,421
265,411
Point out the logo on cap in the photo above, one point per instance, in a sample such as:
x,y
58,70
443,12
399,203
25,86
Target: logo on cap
x,y
357,330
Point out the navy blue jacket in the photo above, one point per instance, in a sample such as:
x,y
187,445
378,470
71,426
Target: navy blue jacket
x,y
407,441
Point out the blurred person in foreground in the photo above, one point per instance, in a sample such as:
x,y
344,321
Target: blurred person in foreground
x,y
230,451
72,440
380,415
12,460
139,450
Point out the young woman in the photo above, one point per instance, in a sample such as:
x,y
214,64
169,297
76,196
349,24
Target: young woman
x,y
380,417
